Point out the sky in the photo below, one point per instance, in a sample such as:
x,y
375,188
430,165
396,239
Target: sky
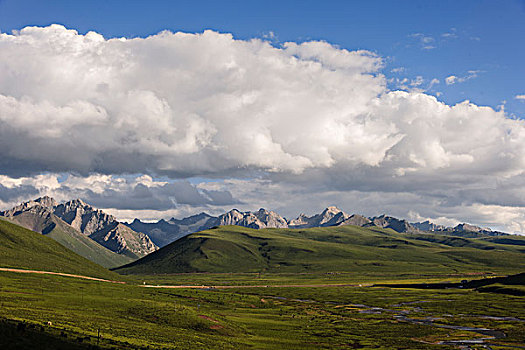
x,y
158,109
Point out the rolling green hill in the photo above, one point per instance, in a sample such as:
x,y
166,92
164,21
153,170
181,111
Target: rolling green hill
x,y
329,249
24,249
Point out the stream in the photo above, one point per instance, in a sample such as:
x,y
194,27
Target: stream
x,y
401,316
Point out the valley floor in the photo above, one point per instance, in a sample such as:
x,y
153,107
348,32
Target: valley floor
x,y
59,312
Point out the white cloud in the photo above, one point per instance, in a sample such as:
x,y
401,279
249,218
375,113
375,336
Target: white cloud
x,y
180,104
310,117
453,79
425,41
398,70
432,83
520,97
449,35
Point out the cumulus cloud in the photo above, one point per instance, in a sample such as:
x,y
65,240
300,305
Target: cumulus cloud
x,y
179,104
308,116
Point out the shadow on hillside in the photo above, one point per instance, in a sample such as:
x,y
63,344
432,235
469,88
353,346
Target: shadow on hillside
x,y
485,285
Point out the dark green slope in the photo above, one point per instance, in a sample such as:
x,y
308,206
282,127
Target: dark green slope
x,y
24,249
342,248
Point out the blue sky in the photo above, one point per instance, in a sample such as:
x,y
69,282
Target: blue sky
x,y
482,43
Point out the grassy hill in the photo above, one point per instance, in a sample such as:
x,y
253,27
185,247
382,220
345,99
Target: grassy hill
x,y
25,249
54,227
330,249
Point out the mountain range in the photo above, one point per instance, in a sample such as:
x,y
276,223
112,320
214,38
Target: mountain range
x,y
164,232
101,238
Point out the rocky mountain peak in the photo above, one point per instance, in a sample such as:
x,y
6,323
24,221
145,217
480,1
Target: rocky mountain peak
x,y
467,227
428,226
398,225
46,201
34,205
357,220
332,216
332,209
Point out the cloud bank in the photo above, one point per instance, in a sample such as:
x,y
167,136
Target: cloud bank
x,y
309,116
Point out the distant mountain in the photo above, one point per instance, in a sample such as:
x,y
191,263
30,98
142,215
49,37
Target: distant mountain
x,y
24,249
85,230
259,219
463,230
331,216
328,249
357,220
428,226
398,225
164,232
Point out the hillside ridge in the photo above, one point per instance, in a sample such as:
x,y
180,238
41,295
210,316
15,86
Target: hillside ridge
x,y
348,248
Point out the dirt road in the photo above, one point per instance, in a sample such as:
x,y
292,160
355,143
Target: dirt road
x,y
59,274
264,286
187,286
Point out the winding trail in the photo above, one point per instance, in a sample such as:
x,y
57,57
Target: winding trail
x,y
59,274
260,286
187,286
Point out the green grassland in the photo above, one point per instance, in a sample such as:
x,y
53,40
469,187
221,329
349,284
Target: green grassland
x,y
331,249
136,317
25,249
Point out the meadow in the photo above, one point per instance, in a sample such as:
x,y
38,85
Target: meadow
x,y
61,312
